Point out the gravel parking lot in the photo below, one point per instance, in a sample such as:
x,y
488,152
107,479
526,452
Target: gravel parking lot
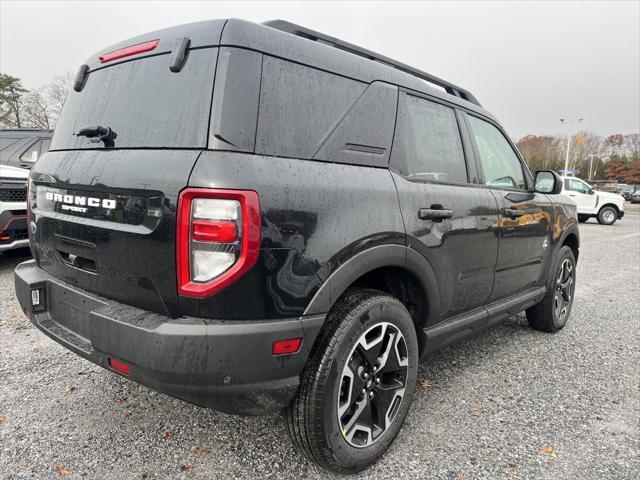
x,y
512,403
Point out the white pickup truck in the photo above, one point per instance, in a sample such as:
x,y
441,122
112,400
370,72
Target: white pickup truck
x,y
13,208
604,206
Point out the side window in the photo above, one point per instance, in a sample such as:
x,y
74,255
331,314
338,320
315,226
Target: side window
x,y
428,143
46,144
299,107
575,185
32,153
501,165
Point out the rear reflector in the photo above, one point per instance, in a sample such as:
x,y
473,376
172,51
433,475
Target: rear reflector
x,y
118,366
291,345
128,51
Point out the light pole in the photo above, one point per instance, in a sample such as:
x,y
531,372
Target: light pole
x,y
566,155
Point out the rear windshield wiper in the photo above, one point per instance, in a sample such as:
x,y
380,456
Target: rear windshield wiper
x,y
98,134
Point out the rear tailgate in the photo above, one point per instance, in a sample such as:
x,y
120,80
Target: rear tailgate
x,y
105,215
106,222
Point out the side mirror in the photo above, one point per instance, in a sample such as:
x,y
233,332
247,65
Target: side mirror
x,y
548,181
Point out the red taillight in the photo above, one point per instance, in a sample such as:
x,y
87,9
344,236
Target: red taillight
x,y
291,345
128,51
118,366
218,239
214,231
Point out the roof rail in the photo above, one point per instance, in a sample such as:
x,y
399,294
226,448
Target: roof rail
x,y
309,34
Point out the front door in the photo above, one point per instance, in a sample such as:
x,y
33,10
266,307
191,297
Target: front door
x,y
526,217
582,194
451,221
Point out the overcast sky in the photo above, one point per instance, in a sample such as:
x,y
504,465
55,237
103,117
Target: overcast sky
x,y
529,63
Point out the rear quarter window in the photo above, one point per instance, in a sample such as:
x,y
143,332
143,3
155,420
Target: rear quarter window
x,y
299,107
145,103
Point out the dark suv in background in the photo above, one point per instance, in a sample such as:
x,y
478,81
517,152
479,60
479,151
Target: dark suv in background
x,y
23,147
257,217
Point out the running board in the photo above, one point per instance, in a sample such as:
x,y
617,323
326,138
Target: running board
x,y
471,323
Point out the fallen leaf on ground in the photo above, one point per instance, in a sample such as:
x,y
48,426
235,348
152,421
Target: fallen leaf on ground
x,y
512,468
424,384
35,348
61,470
144,476
128,413
2,418
20,437
16,466
201,452
120,400
70,389
509,397
165,435
547,450
477,406
186,468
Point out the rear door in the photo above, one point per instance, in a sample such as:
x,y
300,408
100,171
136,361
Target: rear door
x,y
526,217
105,218
449,219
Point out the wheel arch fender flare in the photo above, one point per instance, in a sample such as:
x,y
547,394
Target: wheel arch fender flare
x,y
608,204
371,259
572,229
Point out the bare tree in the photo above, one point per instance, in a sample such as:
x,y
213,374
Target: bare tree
x,y
37,111
56,93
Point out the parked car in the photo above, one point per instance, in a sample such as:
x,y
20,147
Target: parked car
x,y
606,207
24,146
265,217
13,208
627,190
635,197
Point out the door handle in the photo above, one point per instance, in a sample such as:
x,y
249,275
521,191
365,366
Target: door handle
x,y
513,212
435,214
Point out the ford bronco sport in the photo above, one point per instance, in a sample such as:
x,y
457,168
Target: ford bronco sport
x,y
262,217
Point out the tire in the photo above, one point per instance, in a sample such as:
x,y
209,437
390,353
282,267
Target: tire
x,y
607,215
552,313
324,420
583,218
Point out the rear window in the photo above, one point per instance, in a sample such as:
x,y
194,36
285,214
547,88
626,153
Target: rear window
x,y
144,103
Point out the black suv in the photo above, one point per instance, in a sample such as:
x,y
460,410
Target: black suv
x,y
257,217
22,147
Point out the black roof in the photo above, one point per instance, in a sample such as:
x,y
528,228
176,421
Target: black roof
x,y
299,44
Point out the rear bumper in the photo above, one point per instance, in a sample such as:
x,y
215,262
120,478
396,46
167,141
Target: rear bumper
x,y
225,365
